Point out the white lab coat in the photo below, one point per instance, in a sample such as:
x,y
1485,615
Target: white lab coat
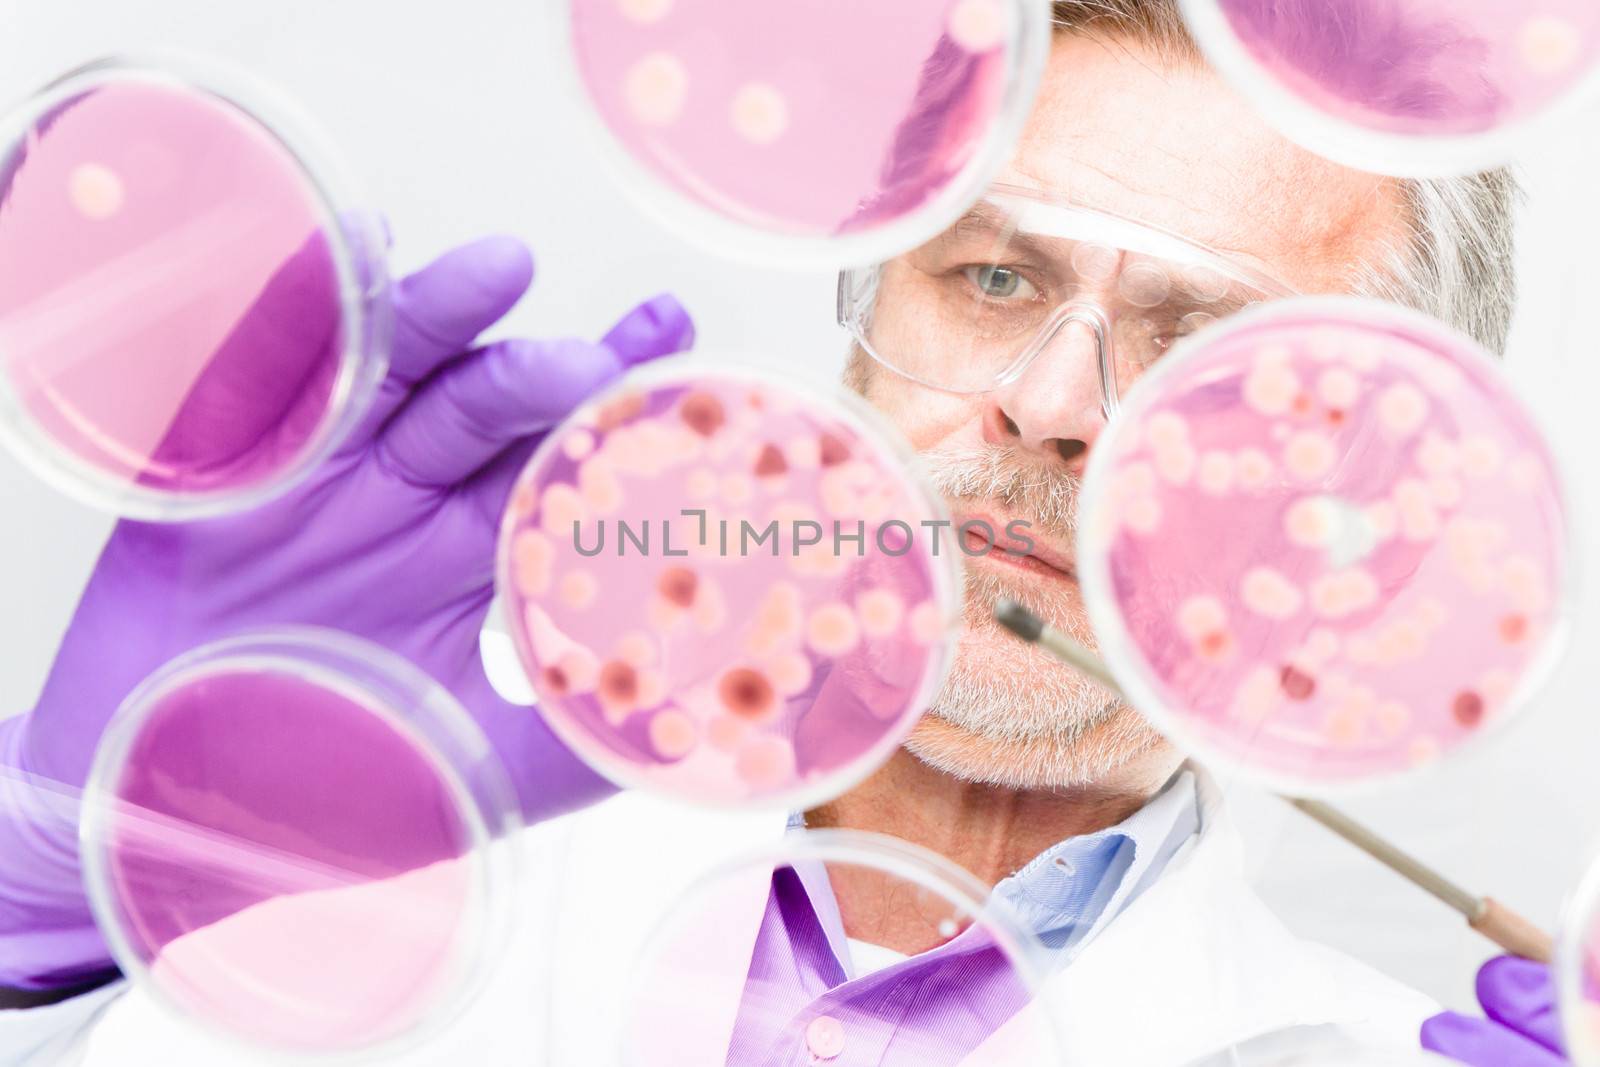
x,y
1195,970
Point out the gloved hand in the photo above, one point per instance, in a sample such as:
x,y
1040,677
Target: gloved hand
x,y
1523,1028
392,539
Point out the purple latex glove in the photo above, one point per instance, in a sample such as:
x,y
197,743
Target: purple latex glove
x,y
391,539
1523,1028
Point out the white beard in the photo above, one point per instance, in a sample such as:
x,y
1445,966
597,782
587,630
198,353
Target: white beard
x,y
1038,723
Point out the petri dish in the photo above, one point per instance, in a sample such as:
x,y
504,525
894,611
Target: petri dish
x,y
1325,545
190,311
1577,971
754,964
723,116
285,839
1413,88
728,587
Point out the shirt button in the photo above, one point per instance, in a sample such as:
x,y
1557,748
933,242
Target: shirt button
x,y
825,1037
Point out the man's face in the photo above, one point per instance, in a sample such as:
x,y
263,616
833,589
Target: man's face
x,y
1118,129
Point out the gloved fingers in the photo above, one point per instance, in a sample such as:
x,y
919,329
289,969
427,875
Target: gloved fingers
x,y
440,310
1519,994
490,489
1481,1043
473,409
659,327
469,412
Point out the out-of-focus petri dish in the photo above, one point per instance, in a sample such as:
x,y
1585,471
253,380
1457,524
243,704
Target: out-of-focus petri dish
x,y
729,588
190,313
1577,971
807,133
1325,545
778,958
1414,88
286,840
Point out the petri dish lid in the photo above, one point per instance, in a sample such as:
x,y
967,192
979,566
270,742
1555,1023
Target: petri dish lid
x,y
1413,88
286,840
190,312
753,964
723,117
1577,971
728,587
1325,545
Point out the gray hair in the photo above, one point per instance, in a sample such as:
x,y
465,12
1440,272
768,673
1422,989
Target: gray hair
x,y
1458,264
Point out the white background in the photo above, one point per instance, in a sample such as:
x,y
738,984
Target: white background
x,y
451,118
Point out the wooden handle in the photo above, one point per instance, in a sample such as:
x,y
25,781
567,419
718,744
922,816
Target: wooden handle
x,y
1512,932
1486,915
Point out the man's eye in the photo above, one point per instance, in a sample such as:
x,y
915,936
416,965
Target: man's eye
x,y
999,283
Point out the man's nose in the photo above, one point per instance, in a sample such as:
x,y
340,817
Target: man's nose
x,y
1056,407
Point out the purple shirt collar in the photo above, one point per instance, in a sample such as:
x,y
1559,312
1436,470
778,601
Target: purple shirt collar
x,y
802,1006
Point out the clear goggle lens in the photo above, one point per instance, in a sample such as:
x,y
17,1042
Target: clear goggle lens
x,y
1021,275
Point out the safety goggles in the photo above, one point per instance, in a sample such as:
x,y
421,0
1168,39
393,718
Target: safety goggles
x,y
1023,273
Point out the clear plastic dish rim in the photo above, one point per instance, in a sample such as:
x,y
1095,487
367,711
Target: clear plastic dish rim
x,y
1027,47
1121,653
927,870
892,451
1366,149
435,725
359,245
1577,927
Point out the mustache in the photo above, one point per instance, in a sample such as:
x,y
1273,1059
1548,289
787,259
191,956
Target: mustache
x,y
1048,498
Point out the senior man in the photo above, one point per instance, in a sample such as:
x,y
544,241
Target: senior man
x,y
999,349
1144,201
